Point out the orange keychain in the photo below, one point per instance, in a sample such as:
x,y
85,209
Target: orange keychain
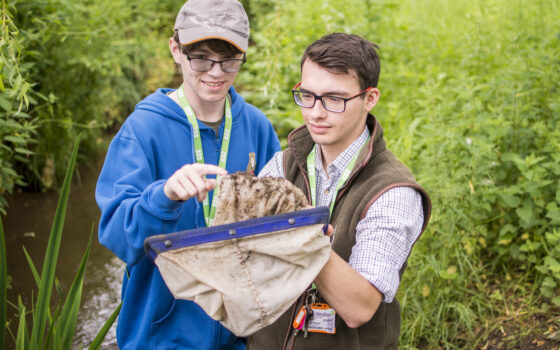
x,y
299,321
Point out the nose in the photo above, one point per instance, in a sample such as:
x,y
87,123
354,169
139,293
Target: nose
x,y
216,69
318,110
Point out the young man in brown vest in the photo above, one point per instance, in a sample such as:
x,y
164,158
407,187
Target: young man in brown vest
x,y
378,211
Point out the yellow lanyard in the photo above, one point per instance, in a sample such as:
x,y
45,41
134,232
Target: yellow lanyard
x,y
209,210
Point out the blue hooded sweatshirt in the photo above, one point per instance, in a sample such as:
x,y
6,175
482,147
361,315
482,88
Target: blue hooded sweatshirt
x,y
154,142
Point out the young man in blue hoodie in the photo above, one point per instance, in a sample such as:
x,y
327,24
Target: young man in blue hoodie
x,y
159,173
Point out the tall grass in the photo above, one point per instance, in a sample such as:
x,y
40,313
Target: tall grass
x,y
50,329
469,101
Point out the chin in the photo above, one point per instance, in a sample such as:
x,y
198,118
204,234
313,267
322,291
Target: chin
x,y
215,97
320,139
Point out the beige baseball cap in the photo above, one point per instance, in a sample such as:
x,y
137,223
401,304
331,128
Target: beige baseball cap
x,y
213,19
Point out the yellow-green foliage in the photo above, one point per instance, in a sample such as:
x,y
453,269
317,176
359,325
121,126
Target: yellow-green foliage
x,y
470,100
70,67
281,33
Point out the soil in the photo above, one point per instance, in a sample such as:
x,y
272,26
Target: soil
x,y
512,334
242,196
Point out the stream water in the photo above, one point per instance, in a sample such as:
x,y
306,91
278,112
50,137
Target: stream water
x,y
27,224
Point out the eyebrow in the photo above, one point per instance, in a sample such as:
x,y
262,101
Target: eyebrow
x,y
329,93
199,51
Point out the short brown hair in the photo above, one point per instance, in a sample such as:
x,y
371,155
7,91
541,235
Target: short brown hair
x,y
341,53
220,47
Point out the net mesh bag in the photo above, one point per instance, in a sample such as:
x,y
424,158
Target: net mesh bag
x,y
265,248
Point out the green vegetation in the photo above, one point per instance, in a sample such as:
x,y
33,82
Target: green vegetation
x,y
69,67
469,100
49,330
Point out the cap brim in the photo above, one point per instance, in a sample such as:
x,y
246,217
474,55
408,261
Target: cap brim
x,y
191,36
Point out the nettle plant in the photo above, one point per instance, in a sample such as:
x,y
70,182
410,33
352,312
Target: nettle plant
x,y
520,208
527,228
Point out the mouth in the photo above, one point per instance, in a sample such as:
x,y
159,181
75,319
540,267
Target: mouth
x,y
318,129
213,84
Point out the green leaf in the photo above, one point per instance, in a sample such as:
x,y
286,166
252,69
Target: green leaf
x,y
22,339
496,295
525,212
530,246
3,282
510,201
547,292
449,274
32,267
47,276
507,228
23,151
549,283
69,316
5,104
553,265
15,139
556,301
553,213
96,343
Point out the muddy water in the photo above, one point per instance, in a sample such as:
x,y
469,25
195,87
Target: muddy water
x,y
28,223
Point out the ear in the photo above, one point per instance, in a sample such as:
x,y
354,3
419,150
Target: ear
x,y
175,50
371,98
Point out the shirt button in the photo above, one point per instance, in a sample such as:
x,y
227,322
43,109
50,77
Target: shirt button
x,y
327,191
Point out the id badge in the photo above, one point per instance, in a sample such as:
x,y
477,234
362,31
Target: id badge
x,y
323,320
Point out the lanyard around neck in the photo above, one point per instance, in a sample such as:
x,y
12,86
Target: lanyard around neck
x,y
209,210
311,174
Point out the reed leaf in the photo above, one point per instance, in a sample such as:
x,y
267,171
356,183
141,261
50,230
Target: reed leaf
x,y
69,316
51,256
53,319
22,340
32,267
96,343
4,286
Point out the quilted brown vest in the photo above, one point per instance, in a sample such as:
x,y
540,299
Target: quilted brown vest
x,y
376,171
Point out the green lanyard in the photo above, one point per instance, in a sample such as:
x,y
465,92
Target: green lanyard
x,y
208,213
313,181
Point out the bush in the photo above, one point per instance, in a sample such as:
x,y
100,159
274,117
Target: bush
x,y
17,129
71,67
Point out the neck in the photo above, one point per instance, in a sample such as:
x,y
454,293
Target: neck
x,y
329,152
328,155
206,111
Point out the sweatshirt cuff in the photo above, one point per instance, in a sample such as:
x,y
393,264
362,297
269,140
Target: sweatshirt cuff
x,y
160,204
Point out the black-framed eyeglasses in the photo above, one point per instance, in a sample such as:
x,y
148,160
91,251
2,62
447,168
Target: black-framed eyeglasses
x,y
334,104
231,65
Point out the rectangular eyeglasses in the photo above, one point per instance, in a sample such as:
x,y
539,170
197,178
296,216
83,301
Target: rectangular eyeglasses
x,y
334,104
230,65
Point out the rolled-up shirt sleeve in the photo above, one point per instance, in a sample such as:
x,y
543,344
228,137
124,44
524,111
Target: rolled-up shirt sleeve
x,y
274,167
385,236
